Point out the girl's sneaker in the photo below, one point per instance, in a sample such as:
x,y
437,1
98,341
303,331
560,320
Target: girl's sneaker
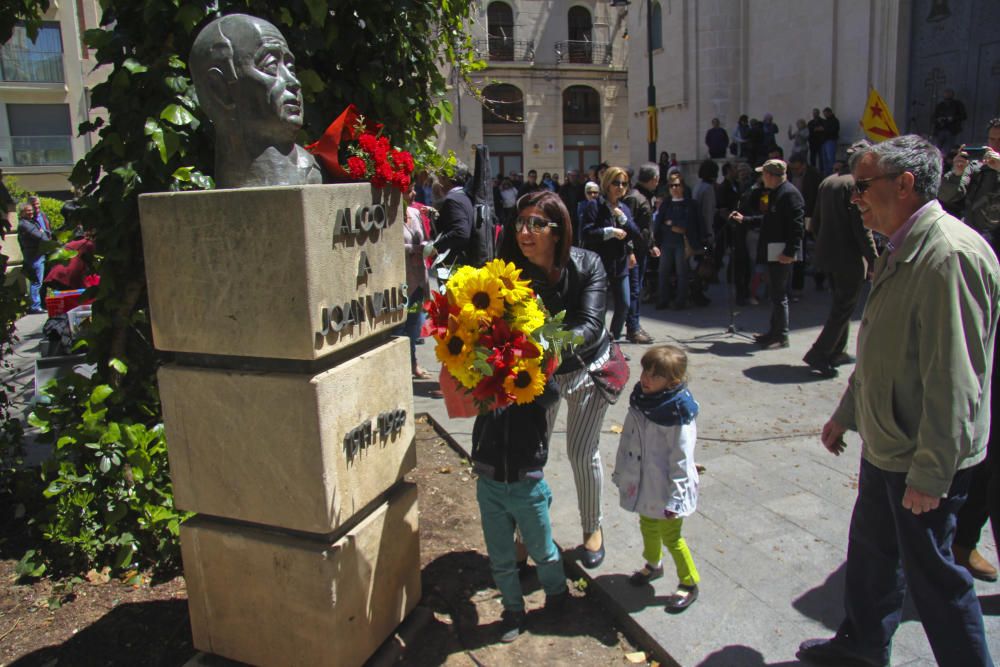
x,y
647,574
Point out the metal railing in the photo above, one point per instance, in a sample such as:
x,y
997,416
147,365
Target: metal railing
x,y
506,49
30,65
584,52
39,151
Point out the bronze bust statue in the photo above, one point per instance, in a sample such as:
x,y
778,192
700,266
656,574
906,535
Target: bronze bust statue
x,y
244,75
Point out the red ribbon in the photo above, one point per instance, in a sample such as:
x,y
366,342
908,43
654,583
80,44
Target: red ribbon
x,y
344,128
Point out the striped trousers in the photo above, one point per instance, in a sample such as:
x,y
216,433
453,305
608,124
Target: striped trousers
x,y
587,407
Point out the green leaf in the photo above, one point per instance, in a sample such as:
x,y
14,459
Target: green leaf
x,y
105,464
177,114
134,66
100,393
123,557
182,174
38,423
30,565
317,11
119,366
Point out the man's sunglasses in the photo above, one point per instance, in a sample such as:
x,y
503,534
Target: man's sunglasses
x,y
861,185
535,224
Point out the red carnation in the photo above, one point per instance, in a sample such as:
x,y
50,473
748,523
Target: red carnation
x,y
401,181
93,280
368,142
403,161
383,143
356,167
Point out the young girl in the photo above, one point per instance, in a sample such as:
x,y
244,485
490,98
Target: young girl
x,y
655,471
509,449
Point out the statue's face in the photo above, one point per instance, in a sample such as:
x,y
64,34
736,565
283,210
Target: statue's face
x,y
267,93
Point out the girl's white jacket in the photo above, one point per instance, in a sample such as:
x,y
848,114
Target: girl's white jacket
x,y
655,469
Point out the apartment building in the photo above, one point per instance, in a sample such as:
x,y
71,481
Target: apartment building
x,y
554,95
44,96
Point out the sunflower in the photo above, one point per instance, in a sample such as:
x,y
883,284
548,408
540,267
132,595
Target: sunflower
x,y
455,348
457,279
512,288
526,381
481,292
528,316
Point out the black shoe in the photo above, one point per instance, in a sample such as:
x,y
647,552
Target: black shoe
x,y
511,625
762,336
841,359
833,653
683,598
592,559
821,366
645,575
773,343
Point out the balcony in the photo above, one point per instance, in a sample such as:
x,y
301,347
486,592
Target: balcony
x,y
39,151
30,65
506,49
583,52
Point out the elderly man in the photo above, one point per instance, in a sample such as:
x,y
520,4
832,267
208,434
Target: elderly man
x,y
973,185
919,398
780,244
244,74
31,235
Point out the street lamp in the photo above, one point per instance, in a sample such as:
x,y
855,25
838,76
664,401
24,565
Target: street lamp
x,y
653,130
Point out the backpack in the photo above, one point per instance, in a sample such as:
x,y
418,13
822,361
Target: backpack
x,y
482,242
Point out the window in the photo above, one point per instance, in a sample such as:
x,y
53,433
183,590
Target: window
x,y
656,27
40,134
581,127
503,104
35,62
581,29
500,28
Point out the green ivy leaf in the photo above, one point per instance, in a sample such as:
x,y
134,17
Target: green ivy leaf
x,y
100,393
134,66
177,114
119,366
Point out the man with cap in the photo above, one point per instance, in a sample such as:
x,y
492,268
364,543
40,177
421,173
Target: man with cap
x,y
780,244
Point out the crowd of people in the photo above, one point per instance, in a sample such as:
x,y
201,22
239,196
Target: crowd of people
x,y
917,396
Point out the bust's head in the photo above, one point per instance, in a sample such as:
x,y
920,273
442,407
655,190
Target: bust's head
x,y
245,77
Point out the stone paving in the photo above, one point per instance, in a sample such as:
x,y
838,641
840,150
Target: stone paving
x,y
770,534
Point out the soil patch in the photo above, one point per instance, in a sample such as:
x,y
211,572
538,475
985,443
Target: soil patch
x,y
98,621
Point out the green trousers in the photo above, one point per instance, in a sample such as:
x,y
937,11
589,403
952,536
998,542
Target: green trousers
x,y
659,533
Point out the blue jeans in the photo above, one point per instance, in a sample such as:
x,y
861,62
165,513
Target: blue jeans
x,y
414,322
828,156
635,278
619,292
777,289
35,273
672,259
892,552
524,505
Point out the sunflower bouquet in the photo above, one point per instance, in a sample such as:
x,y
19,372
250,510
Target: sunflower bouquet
x,y
494,335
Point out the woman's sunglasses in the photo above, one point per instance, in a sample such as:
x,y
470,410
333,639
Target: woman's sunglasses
x,y
534,224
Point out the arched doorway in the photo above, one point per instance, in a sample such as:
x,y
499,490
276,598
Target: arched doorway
x,y
500,28
581,35
581,128
503,127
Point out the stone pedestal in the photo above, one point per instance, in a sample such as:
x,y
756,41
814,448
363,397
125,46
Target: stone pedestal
x,y
289,416
268,598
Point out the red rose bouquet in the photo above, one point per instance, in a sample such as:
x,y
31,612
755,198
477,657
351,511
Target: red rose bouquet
x,y
354,148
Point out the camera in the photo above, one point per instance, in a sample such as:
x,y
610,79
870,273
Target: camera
x,y
974,152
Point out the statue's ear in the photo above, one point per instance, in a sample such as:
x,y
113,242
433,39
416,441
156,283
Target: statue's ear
x,y
218,89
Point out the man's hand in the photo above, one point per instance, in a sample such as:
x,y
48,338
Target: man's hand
x,y
833,437
654,252
992,159
632,261
919,502
960,162
736,216
785,259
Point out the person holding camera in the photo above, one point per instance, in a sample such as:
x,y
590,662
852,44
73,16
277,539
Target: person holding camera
x,y
972,187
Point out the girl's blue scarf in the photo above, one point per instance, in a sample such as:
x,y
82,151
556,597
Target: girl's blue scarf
x,y
669,407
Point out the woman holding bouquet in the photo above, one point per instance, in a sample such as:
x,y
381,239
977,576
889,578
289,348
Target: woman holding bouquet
x,y
567,278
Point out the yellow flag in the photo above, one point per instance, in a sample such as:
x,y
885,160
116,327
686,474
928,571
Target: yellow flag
x,y
877,120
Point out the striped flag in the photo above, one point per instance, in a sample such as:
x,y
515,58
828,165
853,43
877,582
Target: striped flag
x,y
877,120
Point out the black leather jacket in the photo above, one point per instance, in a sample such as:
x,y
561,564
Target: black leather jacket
x,y
582,292
512,444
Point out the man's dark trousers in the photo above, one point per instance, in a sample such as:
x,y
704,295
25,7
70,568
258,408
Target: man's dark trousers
x,y
846,287
778,276
636,276
891,552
